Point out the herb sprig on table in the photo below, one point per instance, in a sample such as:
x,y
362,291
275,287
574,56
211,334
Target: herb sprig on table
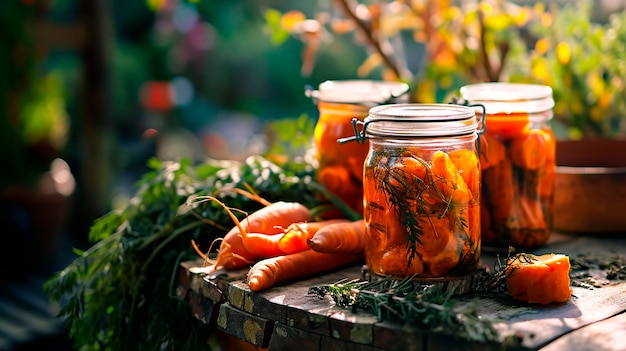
x,y
425,307
120,293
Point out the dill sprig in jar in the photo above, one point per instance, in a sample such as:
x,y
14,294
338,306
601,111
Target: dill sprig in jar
x,y
421,190
340,166
518,163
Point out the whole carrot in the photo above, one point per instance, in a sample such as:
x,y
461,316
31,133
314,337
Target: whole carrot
x,y
260,244
234,253
268,272
348,237
297,234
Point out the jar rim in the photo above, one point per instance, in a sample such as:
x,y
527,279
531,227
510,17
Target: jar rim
x,y
416,120
501,97
358,91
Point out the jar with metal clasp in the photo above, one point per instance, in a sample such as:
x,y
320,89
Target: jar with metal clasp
x,y
518,161
340,166
421,190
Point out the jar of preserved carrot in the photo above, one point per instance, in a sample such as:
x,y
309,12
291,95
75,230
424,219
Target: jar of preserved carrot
x,y
421,190
340,166
518,163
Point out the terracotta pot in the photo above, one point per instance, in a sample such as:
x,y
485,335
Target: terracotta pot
x,y
590,186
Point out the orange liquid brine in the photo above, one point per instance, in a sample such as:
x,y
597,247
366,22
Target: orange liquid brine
x,y
340,165
518,169
422,212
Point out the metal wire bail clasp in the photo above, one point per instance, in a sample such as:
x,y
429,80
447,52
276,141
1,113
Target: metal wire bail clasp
x,y
482,123
359,135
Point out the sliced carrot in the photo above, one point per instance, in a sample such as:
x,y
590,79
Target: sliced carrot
x,y
448,180
528,150
498,188
539,279
382,228
507,125
409,175
395,262
346,237
436,233
335,122
448,258
492,151
548,171
468,165
268,272
296,235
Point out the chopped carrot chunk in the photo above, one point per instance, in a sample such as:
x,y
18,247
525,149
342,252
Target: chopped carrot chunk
x,y
539,279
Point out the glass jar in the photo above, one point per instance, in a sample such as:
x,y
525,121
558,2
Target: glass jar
x,y
341,165
421,191
518,163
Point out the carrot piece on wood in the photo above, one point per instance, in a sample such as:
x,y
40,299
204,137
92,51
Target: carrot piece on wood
x,y
539,279
346,237
268,272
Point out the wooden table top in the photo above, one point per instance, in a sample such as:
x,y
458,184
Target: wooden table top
x,y
287,317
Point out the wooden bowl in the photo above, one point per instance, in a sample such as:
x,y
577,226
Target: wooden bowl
x,y
590,186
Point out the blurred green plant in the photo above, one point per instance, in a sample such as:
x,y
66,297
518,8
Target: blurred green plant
x,y
438,46
583,62
34,125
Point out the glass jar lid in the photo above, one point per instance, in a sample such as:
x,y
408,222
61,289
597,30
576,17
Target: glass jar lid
x,y
362,92
507,98
419,121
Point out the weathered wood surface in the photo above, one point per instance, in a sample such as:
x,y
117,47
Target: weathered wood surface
x,y
288,318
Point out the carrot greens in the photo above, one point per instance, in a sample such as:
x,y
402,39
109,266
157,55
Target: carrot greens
x,y
120,293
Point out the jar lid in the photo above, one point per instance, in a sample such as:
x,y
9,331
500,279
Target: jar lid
x,y
420,121
363,92
506,98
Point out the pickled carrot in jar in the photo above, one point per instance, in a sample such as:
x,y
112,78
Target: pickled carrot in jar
x,y
518,163
421,201
340,165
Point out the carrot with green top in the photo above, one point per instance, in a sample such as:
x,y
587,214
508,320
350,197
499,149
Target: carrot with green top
x,y
238,248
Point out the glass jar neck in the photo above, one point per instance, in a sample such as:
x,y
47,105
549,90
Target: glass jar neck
x,y
501,99
413,121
